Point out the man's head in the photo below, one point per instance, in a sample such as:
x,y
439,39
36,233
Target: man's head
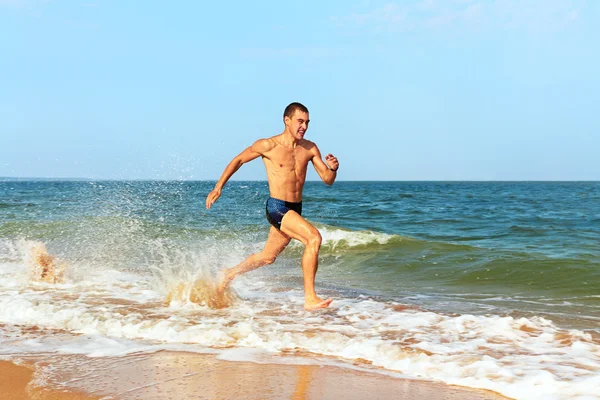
x,y
295,118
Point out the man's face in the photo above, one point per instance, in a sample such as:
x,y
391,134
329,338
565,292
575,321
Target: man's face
x,y
298,124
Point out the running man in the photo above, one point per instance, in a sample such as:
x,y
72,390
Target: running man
x,y
286,158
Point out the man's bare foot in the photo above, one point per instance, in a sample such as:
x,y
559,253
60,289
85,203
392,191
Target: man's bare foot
x,y
228,276
315,304
223,286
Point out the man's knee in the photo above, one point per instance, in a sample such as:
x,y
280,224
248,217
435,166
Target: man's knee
x,y
315,239
268,259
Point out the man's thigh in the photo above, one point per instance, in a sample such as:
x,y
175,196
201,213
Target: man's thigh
x,y
295,226
276,242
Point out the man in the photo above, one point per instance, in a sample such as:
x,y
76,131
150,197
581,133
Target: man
x,y
286,157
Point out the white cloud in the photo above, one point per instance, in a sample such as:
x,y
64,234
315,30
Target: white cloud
x,y
387,16
460,14
15,2
468,15
21,3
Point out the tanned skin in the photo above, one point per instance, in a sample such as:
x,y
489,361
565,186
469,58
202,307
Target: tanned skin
x,y
286,157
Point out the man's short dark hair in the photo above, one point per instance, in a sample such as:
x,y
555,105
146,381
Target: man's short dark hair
x,y
291,109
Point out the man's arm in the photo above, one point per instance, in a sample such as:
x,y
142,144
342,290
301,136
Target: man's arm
x,y
327,170
256,150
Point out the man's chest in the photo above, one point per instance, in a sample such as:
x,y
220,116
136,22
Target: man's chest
x,y
289,158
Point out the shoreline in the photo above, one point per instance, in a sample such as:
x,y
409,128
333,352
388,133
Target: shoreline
x,y
181,375
16,380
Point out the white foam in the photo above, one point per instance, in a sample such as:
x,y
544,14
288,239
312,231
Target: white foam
x,y
336,237
113,313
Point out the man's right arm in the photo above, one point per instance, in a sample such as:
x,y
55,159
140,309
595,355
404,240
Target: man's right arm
x,y
256,150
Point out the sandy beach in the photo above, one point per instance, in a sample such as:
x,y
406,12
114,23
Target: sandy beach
x,y
16,383
174,375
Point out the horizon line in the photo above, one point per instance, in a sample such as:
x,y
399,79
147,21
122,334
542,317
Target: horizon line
x,y
76,179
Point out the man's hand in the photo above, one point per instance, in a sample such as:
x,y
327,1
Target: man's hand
x,y
212,197
332,162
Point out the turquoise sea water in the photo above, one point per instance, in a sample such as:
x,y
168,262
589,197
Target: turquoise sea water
x,y
459,253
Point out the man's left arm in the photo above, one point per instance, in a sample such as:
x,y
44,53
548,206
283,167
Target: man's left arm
x,y
327,170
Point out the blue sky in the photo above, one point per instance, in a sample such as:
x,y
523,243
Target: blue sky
x,y
405,90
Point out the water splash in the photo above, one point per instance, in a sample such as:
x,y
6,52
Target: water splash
x,y
186,277
202,292
43,266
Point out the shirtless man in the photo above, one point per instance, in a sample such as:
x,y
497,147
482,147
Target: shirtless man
x,y
286,158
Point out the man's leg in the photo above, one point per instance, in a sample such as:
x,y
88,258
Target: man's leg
x,y
276,242
293,225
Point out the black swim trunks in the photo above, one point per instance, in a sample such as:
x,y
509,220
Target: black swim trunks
x,y
276,209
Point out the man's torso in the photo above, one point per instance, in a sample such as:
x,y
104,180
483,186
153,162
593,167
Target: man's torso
x,y
286,168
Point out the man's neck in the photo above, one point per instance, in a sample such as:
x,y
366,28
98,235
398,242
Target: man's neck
x,y
287,139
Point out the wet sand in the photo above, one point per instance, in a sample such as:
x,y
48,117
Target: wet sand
x,y
15,384
174,375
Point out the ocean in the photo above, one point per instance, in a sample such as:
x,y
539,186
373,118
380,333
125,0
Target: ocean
x,y
492,285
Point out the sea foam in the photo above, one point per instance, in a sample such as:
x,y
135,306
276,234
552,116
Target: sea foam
x,y
527,358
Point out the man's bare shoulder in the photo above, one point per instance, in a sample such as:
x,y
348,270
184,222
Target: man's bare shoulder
x,y
264,145
308,145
